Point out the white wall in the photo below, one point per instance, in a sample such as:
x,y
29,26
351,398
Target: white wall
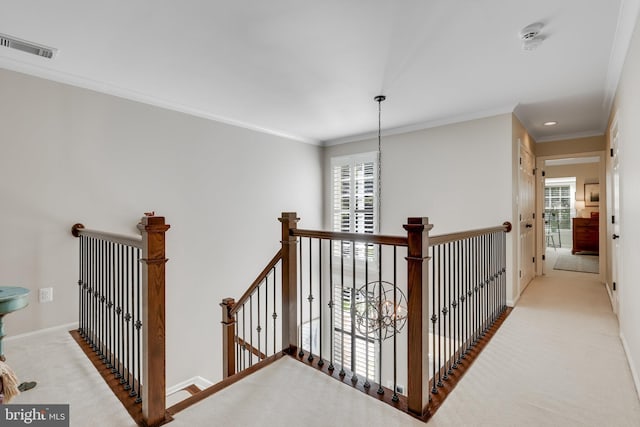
x,y
72,155
628,107
459,175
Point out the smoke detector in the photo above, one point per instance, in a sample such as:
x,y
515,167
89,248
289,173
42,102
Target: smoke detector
x,y
28,47
531,37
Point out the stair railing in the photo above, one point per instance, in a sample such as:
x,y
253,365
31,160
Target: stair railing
x,y
398,317
121,302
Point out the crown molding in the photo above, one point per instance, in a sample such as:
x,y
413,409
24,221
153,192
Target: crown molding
x,y
132,95
422,125
575,135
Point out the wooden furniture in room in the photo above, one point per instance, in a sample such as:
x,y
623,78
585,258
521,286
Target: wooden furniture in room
x,y
586,235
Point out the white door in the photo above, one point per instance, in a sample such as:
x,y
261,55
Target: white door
x,y
527,209
616,255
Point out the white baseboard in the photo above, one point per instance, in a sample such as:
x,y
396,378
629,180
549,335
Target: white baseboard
x,y
634,373
199,381
65,327
512,303
613,308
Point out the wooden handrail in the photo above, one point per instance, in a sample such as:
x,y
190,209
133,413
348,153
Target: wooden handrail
x,y
251,348
135,241
356,237
245,297
453,237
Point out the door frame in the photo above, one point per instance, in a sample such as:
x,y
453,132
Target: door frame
x,y
602,223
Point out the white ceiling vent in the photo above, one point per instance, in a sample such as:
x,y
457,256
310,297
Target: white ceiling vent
x,y
28,47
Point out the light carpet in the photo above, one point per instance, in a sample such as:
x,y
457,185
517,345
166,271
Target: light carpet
x,y
579,263
556,361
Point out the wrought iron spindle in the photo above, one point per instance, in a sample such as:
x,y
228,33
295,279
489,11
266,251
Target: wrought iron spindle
x,y
244,341
434,315
259,328
380,389
445,311
127,318
395,397
139,327
310,299
80,281
250,330
352,313
275,314
439,289
342,373
301,351
331,308
454,305
366,385
321,361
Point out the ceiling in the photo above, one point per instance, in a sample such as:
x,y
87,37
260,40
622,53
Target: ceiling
x,y
309,70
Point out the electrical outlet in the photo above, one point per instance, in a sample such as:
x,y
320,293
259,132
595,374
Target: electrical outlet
x,y
45,295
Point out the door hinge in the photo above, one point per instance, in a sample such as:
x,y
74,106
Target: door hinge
x,y
534,171
520,274
544,173
614,286
534,215
613,219
534,260
543,215
520,217
544,257
611,152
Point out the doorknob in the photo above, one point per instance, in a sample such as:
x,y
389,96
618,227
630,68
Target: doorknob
x,y
615,236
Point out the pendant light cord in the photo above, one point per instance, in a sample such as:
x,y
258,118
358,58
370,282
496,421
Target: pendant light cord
x,y
379,99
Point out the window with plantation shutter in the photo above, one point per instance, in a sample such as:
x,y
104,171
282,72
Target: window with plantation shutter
x,y
354,182
354,188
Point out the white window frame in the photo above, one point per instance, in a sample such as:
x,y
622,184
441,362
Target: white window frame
x,y
353,162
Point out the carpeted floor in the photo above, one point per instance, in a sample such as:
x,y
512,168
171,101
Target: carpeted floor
x,y
556,361
579,263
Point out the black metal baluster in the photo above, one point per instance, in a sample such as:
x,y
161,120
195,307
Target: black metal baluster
x,y
139,326
244,341
342,373
128,317
320,266
447,307
300,319
440,321
380,389
310,299
132,351
332,293
434,315
80,275
352,314
110,304
266,314
454,305
275,313
118,311
250,330
366,385
395,329
103,300
259,328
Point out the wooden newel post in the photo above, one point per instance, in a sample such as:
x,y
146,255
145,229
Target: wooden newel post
x,y
153,262
289,222
418,314
228,338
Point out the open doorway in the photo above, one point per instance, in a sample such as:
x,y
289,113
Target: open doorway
x,y
571,214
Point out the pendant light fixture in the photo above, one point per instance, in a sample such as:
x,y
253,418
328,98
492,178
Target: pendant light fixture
x,y
379,100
